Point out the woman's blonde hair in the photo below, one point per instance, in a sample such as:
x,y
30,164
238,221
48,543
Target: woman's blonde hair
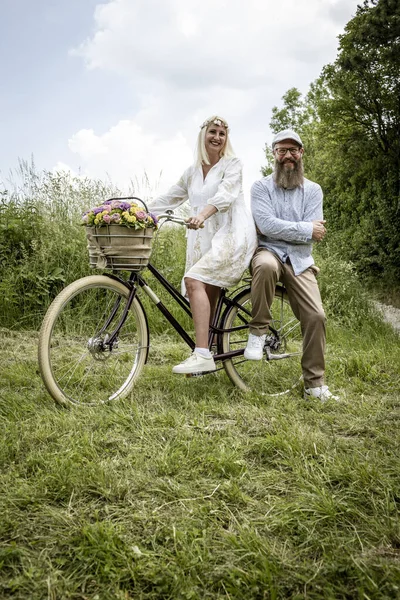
x,y
202,157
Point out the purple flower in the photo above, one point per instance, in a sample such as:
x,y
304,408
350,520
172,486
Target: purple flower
x,y
153,216
124,205
115,218
99,209
85,218
113,203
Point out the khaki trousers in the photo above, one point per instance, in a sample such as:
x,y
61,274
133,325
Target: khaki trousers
x,y
305,301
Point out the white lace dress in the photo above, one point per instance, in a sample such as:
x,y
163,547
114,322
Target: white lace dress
x,y
219,253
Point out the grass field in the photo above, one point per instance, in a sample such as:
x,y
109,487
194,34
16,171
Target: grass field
x,y
190,489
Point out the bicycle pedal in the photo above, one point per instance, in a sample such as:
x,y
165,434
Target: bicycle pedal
x,y
200,374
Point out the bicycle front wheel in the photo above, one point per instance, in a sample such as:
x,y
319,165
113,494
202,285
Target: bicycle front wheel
x,y
77,363
279,371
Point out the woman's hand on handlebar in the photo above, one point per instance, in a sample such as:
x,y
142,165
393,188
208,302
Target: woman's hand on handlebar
x,y
195,222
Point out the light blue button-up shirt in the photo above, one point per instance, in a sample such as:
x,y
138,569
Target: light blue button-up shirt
x,y
284,219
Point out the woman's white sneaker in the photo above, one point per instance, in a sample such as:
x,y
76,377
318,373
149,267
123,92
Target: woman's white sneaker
x,y
255,347
195,364
322,393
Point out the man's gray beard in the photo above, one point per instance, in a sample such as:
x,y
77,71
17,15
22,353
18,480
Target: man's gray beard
x,y
289,178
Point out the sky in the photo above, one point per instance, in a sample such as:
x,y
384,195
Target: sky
x,y
118,90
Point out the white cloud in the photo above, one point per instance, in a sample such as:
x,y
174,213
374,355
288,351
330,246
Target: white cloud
x,y
60,167
196,43
187,59
129,155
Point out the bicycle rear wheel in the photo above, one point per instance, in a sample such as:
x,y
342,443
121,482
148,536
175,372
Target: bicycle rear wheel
x,y
279,371
76,362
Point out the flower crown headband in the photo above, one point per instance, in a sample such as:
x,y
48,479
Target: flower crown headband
x,y
217,121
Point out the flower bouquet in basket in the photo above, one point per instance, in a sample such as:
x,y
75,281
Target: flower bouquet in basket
x,y
119,235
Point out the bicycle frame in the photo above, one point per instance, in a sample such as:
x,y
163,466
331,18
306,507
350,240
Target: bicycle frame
x,y
136,281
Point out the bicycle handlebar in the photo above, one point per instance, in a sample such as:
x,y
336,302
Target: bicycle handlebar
x,y
169,216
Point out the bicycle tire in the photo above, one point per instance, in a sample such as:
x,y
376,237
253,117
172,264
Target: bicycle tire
x,y
75,364
273,377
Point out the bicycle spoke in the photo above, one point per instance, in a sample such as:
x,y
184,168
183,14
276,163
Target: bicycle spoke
x,y
70,371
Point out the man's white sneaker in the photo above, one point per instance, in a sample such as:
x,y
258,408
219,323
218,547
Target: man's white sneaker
x,y
195,364
322,393
255,347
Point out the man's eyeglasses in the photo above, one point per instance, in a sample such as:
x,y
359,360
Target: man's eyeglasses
x,y
283,151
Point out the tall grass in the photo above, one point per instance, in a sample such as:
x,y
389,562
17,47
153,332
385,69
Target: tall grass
x,y
43,245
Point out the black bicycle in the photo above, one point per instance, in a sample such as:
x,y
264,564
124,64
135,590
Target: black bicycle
x,y
95,338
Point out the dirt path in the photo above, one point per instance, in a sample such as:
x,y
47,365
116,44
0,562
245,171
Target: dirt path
x,y
390,314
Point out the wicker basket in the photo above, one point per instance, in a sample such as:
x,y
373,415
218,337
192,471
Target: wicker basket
x,y
119,248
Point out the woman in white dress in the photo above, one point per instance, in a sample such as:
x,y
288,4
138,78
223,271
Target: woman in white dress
x,y
222,236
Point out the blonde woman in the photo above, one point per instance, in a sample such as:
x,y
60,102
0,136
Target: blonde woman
x,y
222,236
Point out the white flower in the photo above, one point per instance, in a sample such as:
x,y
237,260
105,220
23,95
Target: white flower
x,y
218,122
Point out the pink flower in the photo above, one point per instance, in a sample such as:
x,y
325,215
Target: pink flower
x,y
115,218
140,214
106,218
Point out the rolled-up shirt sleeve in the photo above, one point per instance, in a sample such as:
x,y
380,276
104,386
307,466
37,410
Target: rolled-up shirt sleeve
x,y
175,196
274,228
230,187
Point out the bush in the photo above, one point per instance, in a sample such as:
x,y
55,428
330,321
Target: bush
x,y
344,297
43,245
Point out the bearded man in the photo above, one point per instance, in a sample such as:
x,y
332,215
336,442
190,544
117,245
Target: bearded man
x,y
287,210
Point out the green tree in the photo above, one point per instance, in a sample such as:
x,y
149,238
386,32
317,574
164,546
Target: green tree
x,y
358,100
297,113
350,125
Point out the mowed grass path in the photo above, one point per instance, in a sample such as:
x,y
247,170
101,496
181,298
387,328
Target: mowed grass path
x,y
191,489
